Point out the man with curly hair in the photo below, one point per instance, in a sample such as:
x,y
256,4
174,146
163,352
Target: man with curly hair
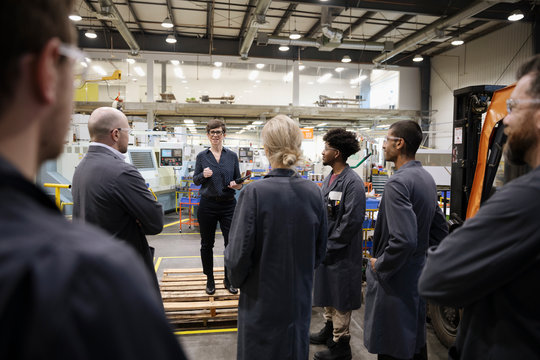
x,y
338,281
409,220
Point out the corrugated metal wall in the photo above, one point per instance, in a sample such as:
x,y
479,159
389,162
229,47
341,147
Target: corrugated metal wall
x,y
490,60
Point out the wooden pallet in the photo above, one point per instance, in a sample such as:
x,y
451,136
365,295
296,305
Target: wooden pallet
x,y
186,301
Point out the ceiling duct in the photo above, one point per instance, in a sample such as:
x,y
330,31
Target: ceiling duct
x,y
331,38
264,39
258,18
109,12
433,30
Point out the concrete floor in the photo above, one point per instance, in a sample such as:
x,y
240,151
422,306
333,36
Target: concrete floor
x,y
181,250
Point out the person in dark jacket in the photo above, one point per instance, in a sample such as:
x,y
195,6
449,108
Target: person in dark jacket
x,y
491,265
216,169
67,290
409,220
277,239
111,193
338,281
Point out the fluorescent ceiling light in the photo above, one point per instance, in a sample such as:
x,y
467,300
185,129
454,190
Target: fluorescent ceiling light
x,y
179,73
258,122
346,59
339,69
516,15
457,42
170,39
294,35
167,23
418,58
301,67
130,61
364,128
253,75
99,70
283,48
188,121
91,34
74,16
139,71
259,66
175,62
324,78
216,73
218,63
323,124
383,126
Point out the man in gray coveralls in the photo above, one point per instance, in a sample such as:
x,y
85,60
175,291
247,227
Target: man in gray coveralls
x,y
409,220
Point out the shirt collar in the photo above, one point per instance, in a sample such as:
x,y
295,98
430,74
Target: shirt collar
x,y
115,152
223,149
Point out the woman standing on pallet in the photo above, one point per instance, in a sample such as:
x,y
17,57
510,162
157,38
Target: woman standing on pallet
x,y
278,237
215,170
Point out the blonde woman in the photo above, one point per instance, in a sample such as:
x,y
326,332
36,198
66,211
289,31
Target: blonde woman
x,y
277,239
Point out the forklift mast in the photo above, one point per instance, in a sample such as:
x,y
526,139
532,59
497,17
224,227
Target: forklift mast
x,y
470,104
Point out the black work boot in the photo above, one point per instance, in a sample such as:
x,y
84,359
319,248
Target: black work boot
x,y
229,287
210,285
340,350
324,336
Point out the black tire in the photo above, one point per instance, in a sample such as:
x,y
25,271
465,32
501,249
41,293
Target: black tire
x,y
445,322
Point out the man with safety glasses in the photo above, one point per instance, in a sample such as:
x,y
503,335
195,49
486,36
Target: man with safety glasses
x,y
490,266
67,291
111,193
409,220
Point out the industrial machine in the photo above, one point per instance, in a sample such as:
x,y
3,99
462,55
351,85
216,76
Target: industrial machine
x,y
325,101
222,99
478,140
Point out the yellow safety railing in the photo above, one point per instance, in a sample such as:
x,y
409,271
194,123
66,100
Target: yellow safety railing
x,y
57,199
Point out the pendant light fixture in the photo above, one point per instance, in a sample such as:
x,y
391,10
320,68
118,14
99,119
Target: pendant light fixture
x,y
418,58
167,23
170,39
91,34
516,15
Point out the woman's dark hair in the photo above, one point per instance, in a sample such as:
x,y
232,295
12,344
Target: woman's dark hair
x,y
342,140
410,132
214,124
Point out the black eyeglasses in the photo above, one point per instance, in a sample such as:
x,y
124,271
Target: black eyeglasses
x,y
216,132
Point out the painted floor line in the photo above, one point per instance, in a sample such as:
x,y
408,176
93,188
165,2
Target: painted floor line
x,y
210,331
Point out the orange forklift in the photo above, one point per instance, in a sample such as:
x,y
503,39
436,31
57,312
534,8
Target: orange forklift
x,y
477,170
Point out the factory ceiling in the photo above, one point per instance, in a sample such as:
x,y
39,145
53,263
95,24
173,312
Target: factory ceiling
x,y
367,31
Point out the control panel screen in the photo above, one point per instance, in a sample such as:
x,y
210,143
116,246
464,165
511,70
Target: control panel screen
x,y
170,157
245,154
